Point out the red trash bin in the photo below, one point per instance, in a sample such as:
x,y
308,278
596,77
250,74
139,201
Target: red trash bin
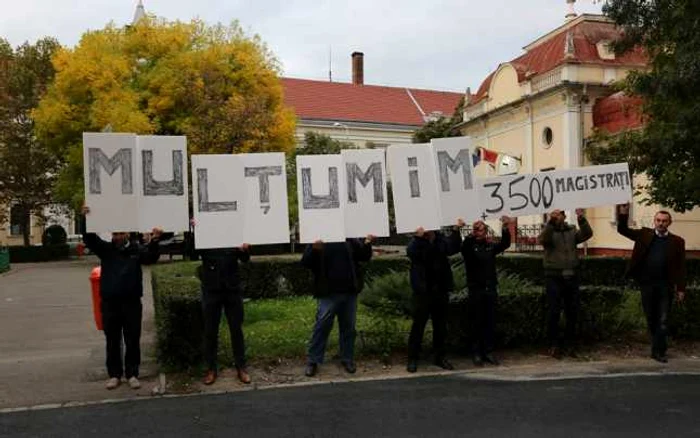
x,y
96,299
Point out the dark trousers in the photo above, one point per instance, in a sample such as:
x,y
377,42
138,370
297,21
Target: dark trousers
x,y
482,314
426,307
562,292
121,317
344,306
656,301
231,302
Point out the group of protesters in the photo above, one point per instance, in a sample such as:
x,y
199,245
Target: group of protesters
x,y
657,264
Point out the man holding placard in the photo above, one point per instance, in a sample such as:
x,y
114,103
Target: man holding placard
x,y
658,265
121,289
479,254
559,241
432,282
337,281
221,290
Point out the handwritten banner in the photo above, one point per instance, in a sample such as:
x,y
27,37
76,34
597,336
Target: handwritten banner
x,y
584,187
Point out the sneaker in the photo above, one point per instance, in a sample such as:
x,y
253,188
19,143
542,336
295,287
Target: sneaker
x,y
444,364
209,378
412,366
349,367
491,359
112,383
311,370
243,375
134,382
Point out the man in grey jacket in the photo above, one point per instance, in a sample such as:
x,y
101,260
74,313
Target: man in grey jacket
x,y
559,241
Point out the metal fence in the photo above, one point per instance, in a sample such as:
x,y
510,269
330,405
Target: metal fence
x,y
525,239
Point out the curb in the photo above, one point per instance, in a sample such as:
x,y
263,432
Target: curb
x,y
477,375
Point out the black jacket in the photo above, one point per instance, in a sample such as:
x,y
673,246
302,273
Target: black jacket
x,y
480,261
121,275
430,266
336,266
219,269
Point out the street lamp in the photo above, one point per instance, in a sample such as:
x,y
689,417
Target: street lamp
x,y
344,126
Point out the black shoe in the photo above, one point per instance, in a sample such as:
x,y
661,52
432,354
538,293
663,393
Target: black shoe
x,y
490,359
555,352
660,357
412,366
444,364
349,367
311,370
478,360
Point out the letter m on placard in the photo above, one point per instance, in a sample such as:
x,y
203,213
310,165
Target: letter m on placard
x,y
121,159
462,161
354,174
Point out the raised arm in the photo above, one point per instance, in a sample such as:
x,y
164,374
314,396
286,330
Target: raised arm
x,y
584,231
623,215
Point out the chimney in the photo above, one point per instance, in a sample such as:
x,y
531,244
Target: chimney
x,y
358,69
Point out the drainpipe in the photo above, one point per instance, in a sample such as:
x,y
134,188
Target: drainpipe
x,y
582,101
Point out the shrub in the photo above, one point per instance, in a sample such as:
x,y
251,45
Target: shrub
x,y
4,260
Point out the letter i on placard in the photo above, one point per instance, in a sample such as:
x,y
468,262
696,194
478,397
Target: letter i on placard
x,y
413,177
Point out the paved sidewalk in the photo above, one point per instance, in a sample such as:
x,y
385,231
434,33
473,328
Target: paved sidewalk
x,y
51,350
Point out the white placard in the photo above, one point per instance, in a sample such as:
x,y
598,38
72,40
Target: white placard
x,y
218,192
459,197
111,182
583,187
163,192
414,187
366,204
319,188
266,210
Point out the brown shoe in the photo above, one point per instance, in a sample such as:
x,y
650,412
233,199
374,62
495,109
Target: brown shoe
x,y
210,378
243,375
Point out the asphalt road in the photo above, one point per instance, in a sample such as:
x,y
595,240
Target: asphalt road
x,y
442,406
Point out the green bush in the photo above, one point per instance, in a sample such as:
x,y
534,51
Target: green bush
x,y
4,260
606,311
31,254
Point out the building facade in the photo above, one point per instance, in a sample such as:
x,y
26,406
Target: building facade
x,y
543,107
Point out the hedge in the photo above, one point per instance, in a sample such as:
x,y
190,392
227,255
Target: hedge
x,y
4,260
30,254
607,310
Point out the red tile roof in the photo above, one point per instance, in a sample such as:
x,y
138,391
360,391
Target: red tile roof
x,y
549,53
320,100
617,112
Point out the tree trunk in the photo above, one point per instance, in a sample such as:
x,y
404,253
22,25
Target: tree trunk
x,y
26,226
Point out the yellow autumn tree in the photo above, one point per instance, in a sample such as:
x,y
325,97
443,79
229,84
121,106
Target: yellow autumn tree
x,y
214,84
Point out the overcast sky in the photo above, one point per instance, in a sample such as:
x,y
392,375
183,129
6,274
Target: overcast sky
x,y
435,44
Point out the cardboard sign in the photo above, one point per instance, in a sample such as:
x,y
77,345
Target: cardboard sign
x,y
459,197
414,186
584,187
266,212
135,183
366,202
218,192
319,189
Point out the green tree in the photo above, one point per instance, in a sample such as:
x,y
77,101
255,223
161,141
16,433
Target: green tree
x,y
27,168
667,149
441,127
214,84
